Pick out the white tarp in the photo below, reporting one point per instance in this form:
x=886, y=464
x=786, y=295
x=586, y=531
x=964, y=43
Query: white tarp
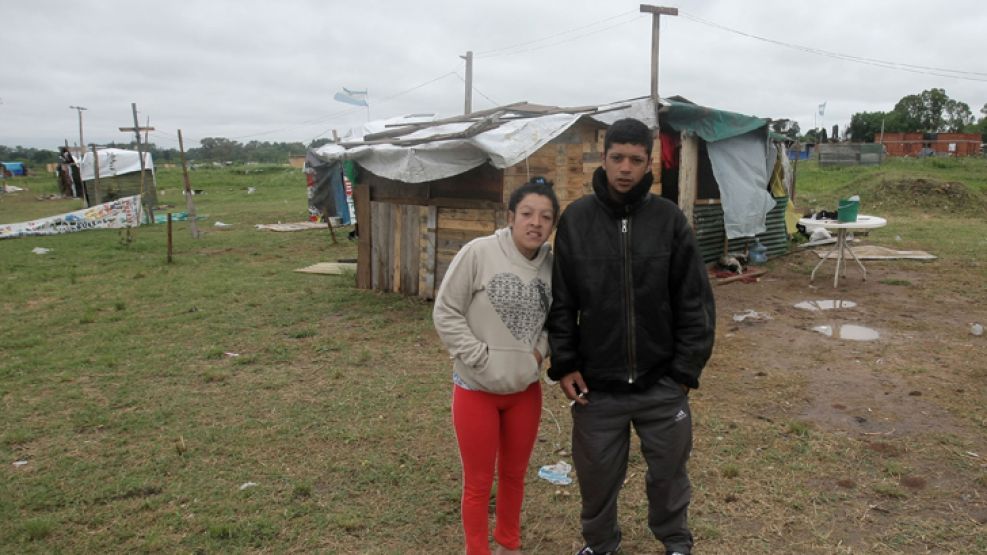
x=120, y=213
x=114, y=161
x=739, y=165
x=504, y=146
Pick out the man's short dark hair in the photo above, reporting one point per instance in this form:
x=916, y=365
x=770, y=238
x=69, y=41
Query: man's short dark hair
x=628, y=131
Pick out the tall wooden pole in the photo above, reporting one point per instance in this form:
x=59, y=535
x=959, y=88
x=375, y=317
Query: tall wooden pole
x=95, y=176
x=656, y=13
x=469, y=82
x=189, y=204
x=82, y=143
x=140, y=156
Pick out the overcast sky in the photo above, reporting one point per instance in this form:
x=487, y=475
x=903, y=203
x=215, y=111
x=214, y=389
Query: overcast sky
x=267, y=71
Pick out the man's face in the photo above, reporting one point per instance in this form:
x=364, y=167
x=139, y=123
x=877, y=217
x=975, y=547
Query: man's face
x=625, y=165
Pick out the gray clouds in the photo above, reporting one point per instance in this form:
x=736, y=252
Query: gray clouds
x=267, y=71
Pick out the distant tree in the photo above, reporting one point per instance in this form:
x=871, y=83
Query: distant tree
x=316, y=143
x=836, y=132
x=932, y=111
x=980, y=126
x=865, y=126
x=31, y=156
x=219, y=149
x=786, y=127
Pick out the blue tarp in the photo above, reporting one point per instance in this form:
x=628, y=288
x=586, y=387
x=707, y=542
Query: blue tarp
x=15, y=168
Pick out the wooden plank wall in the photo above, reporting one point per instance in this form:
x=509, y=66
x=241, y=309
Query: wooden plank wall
x=456, y=227
x=415, y=230
x=568, y=161
x=427, y=285
x=396, y=248
x=361, y=198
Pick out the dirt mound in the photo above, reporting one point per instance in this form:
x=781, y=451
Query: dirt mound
x=951, y=197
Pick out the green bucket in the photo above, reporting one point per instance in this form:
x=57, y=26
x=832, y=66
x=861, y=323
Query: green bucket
x=847, y=210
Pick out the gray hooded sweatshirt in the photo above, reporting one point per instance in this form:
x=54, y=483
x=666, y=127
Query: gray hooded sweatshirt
x=490, y=313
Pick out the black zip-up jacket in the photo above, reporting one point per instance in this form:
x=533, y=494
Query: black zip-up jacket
x=631, y=301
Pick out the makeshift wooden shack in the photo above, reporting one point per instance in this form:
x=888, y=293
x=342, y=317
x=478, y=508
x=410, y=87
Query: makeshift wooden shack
x=730, y=175
x=116, y=173
x=425, y=190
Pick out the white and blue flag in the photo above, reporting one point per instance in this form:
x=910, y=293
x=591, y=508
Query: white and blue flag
x=356, y=98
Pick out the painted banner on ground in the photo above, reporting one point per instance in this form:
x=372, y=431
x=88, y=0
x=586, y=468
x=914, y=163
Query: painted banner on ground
x=120, y=213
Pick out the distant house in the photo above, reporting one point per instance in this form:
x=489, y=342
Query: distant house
x=929, y=144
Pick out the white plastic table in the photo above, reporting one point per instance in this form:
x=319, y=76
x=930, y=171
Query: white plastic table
x=841, y=228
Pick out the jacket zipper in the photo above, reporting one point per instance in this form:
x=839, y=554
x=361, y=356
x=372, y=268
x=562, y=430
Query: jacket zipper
x=629, y=300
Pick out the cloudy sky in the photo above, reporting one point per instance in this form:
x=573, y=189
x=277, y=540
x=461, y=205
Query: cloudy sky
x=267, y=71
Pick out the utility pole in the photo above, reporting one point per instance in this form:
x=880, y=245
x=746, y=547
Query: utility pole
x=656, y=13
x=82, y=143
x=140, y=156
x=469, y=82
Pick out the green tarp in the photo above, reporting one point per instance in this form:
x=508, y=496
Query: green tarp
x=709, y=124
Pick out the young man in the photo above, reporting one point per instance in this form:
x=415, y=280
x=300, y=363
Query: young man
x=631, y=328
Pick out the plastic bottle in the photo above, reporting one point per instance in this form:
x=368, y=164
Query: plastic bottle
x=758, y=252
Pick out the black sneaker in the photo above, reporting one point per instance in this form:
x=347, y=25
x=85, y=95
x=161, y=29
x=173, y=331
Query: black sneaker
x=587, y=550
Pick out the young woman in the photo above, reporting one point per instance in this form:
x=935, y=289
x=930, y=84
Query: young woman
x=490, y=313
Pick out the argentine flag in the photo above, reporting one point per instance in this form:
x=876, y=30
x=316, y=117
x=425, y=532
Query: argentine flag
x=356, y=98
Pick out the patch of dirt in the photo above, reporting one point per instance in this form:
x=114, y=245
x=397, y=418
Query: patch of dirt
x=896, y=385
x=911, y=401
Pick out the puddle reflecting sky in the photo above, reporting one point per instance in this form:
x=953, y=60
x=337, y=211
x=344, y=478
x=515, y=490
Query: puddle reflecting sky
x=849, y=331
x=828, y=304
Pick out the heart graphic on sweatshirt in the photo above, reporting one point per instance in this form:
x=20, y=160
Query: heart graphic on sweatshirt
x=521, y=306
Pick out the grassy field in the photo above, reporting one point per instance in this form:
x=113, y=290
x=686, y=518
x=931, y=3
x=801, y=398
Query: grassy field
x=225, y=403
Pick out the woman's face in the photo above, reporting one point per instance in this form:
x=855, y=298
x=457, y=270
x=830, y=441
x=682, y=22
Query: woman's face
x=531, y=223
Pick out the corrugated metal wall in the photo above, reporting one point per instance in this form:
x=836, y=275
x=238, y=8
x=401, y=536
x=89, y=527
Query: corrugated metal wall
x=708, y=222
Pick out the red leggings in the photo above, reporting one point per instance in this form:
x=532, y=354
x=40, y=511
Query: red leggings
x=494, y=428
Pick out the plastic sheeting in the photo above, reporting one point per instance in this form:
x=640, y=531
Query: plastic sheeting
x=737, y=150
x=740, y=167
x=709, y=124
x=114, y=161
x=504, y=146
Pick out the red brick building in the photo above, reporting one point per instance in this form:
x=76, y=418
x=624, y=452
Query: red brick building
x=942, y=144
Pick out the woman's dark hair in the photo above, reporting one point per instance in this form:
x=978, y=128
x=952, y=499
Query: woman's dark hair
x=628, y=131
x=536, y=186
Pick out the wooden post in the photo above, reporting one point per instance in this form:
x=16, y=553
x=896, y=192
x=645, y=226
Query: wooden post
x=189, y=203
x=140, y=156
x=795, y=167
x=469, y=82
x=325, y=214
x=656, y=13
x=169, y=238
x=361, y=196
x=688, y=174
x=95, y=176
x=426, y=282
x=82, y=143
